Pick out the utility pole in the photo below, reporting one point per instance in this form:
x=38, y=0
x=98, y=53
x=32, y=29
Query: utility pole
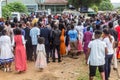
x=6, y=2
x=1, y=8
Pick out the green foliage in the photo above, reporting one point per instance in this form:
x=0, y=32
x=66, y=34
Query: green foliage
x=86, y=76
x=5, y=12
x=17, y=7
x=95, y=8
x=78, y=3
x=13, y=7
x=97, y=75
x=105, y=5
x=75, y=3
x=107, y=0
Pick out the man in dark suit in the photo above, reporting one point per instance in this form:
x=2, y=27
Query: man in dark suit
x=45, y=32
x=28, y=42
x=56, y=42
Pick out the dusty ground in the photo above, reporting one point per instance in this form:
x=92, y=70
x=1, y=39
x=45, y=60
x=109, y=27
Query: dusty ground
x=68, y=69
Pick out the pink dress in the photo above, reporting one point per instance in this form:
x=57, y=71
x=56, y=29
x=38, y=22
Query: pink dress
x=20, y=53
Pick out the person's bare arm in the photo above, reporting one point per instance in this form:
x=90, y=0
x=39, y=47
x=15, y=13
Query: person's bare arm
x=106, y=50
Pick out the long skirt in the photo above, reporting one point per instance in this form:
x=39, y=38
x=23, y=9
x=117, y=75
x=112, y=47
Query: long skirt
x=41, y=60
x=115, y=60
x=80, y=48
x=118, y=51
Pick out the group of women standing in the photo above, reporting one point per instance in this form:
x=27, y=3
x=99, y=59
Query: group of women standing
x=8, y=47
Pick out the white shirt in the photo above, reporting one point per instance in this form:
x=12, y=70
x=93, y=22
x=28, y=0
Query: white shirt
x=97, y=53
x=109, y=45
x=79, y=28
x=41, y=47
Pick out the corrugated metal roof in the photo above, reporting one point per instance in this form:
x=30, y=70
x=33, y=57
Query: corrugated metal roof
x=55, y=2
x=31, y=2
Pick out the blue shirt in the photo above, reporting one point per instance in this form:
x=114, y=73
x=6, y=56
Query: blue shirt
x=85, y=29
x=23, y=32
x=73, y=35
x=34, y=32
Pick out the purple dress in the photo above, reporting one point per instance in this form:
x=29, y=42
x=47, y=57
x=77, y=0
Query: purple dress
x=87, y=38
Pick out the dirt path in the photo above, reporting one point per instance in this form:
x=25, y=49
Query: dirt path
x=68, y=69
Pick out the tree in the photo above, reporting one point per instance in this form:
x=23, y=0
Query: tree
x=5, y=12
x=13, y=7
x=16, y=7
x=105, y=5
x=79, y=3
x=107, y=0
x=95, y=8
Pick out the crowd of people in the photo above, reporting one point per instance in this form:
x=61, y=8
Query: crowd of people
x=39, y=37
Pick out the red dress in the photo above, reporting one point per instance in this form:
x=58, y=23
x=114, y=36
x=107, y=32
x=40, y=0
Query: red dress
x=20, y=54
x=118, y=48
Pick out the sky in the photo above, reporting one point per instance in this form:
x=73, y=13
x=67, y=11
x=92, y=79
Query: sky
x=115, y=1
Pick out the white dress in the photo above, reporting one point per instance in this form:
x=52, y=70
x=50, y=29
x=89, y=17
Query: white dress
x=41, y=56
x=6, y=54
x=80, y=28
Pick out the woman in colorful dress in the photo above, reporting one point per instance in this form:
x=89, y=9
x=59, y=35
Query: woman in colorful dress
x=118, y=47
x=87, y=38
x=6, y=56
x=62, y=43
x=20, y=52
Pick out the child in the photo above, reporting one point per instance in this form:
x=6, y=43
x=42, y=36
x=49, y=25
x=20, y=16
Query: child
x=41, y=54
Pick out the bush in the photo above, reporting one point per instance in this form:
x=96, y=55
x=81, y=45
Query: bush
x=95, y=8
x=5, y=12
x=13, y=7
x=17, y=7
x=105, y=5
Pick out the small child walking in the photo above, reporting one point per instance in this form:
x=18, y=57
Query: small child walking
x=41, y=62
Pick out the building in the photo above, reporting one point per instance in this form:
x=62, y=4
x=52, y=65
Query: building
x=55, y=6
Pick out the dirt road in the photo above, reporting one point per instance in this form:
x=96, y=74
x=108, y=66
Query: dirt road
x=68, y=69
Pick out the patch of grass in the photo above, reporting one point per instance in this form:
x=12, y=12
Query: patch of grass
x=83, y=78
x=97, y=77
x=86, y=77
